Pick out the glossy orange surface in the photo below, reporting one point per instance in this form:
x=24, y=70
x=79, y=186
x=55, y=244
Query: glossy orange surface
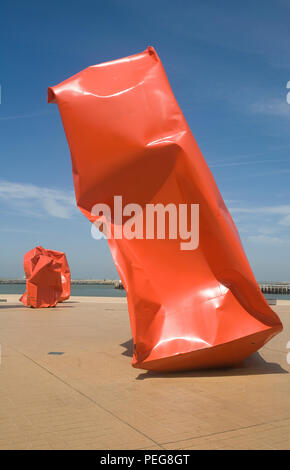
x=47, y=278
x=127, y=136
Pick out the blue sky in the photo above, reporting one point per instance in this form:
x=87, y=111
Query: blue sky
x=228, y=64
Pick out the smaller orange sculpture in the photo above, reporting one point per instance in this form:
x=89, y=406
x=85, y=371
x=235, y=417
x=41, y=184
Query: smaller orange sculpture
x=47, y=278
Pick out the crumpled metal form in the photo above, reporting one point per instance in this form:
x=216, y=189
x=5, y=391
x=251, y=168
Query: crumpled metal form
x=127, y=136
x=47, y=278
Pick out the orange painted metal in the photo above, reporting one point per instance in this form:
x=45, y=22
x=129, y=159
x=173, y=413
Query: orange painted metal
x=127, y=135
x=47, y=278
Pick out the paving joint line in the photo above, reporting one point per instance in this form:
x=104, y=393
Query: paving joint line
x=224, y=432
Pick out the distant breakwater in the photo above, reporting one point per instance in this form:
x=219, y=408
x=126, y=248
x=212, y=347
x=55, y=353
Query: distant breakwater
x=100, y=282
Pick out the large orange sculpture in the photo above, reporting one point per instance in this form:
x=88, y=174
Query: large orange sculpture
x=47, y=278
x=190, y=308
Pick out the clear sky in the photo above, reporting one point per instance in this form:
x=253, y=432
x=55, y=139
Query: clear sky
x=228, y=64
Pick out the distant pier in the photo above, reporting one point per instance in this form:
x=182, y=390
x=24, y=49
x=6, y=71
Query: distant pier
x=275, y=288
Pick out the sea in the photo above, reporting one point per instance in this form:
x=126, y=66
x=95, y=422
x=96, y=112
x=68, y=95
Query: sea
x=96, y=290
x=85, y=290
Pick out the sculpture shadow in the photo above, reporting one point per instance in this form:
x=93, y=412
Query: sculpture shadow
x=3, y=306
x=63, y=305
x=129, y=348
x=253, y=365
x=58, y=306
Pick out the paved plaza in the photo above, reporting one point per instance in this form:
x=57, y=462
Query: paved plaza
x=66, y=382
